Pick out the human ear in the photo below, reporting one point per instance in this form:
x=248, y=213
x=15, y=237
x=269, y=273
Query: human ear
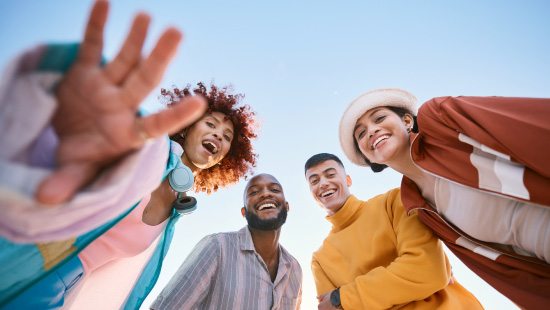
x=183, y=133
x=287, y=206
x=243, y=211
x=408, y=120
x=349, y=180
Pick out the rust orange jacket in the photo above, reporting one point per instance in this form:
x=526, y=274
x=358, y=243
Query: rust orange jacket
x=499, y=145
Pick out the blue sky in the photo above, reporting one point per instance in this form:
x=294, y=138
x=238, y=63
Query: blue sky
x=300, y=63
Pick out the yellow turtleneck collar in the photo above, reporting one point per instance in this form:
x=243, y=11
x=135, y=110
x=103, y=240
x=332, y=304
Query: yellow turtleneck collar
x=346, y=215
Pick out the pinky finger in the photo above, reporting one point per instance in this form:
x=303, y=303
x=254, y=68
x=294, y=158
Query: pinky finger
x=61, y=186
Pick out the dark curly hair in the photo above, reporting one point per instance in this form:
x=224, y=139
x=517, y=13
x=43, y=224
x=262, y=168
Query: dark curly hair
x=241, y=158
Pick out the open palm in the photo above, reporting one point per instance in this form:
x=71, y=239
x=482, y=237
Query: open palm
x=97, y=121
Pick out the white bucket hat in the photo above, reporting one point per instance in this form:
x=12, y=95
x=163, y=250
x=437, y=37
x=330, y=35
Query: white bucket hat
x=383, y=97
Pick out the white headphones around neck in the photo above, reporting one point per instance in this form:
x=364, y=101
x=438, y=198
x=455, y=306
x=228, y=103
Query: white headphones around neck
x=181, y=180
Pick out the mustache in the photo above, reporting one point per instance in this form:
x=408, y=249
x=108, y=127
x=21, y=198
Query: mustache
x=254, y=221
x=258, y=204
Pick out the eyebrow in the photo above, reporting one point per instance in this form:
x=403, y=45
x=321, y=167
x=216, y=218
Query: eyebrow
x=357, y=125
x=270, y=184
x=324, y=171
x=218, y=121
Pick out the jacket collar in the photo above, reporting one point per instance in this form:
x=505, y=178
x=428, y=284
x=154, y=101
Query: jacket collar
x=346, y=215
x=410, y=195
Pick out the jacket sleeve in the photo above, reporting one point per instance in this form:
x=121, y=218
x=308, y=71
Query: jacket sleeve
x=419, y=270
x=322, y=282
x=517, y=127
x=189, y=287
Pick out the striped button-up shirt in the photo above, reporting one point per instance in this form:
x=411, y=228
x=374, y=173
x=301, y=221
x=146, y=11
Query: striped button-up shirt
x=224, y=271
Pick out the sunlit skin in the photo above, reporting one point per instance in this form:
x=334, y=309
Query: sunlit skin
x=329, y=185
x=382, y=137
x=264, y=191
x=206, y=144
x=261, y=191
x=207, y=141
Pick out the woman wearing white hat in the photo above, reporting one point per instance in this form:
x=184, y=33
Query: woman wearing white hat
x=477, y=171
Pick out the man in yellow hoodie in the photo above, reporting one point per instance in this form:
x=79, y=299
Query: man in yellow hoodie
x=376, y=256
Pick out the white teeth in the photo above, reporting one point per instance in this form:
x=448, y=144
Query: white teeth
x=267, y=206
x=380, y=139
x=214, y=147
x=329, y=192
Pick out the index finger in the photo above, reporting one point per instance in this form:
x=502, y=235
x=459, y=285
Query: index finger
x=92, y=44
x=150, y=71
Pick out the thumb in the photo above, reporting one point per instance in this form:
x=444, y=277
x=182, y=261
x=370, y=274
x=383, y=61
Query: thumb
x=179, y=116
x=61, y=185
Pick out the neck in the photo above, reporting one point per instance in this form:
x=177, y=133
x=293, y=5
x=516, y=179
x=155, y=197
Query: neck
x=266, y=243
x=331, y=213
x=405, y=165
x=196, y=170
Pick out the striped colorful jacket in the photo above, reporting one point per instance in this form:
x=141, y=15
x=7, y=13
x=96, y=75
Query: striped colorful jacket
x=499, y=145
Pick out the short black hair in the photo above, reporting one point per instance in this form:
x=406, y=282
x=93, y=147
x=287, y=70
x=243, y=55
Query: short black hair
x=321, y=158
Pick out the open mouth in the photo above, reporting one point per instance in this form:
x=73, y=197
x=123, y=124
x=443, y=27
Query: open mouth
x=328, y=193
x=210, y=147
x=379, y=140
x=267, y=206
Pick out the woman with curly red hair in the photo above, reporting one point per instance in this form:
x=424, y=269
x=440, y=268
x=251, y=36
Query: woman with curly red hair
x=240, y=157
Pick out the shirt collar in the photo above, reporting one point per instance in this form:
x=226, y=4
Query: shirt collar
x=246, y=244
x=245, y=239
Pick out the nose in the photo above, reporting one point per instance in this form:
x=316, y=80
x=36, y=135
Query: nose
x=265, y=193
x=373, y=132
x=218, y=136
x=323, y=182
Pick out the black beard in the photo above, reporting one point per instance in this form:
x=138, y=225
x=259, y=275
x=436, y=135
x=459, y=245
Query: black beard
x=254, y=221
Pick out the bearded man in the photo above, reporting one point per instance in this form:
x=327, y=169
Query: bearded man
x=245, y=269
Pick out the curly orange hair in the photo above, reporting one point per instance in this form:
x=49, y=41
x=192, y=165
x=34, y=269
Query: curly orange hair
x=241, y=158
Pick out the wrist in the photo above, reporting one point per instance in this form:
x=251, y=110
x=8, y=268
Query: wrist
x=335, y=299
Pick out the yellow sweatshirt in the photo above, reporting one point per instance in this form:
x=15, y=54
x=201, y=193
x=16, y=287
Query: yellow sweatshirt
x=383, y=259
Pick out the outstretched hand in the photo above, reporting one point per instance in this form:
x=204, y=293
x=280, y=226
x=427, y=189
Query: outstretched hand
x=96, y=119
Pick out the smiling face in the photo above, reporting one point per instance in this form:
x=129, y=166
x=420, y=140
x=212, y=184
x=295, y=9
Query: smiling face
x=207, y=141
x=382, y=136
x=329, y=185
x=265, y=205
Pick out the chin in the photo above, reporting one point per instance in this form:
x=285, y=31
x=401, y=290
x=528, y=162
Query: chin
x=205, y=165
x=331, y=208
